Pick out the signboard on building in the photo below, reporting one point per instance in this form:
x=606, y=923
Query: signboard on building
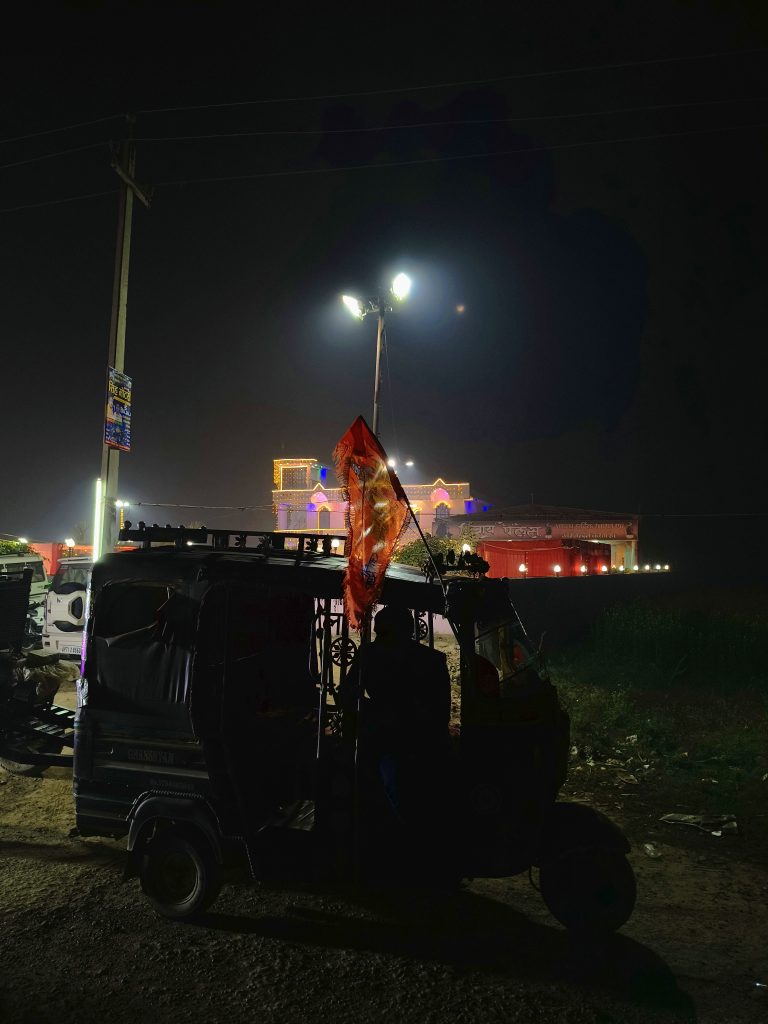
x=117, y=422
x=549, y=531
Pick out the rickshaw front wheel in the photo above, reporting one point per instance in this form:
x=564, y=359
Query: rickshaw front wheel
x=592, y=891
x=179, y=874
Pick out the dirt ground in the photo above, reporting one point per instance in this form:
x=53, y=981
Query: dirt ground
x=79, y=945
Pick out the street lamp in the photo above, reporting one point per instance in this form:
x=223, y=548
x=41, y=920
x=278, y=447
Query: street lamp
x=399, y=290
x=121, y=506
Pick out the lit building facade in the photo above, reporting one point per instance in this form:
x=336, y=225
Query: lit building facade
x=547, y=540
x=303, y=500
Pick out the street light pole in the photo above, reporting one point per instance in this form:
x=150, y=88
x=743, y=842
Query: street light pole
x=401, y=286
x=377, y=381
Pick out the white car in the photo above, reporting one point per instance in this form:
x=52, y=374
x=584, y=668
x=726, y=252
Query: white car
x=10, y=564
x=65, y=608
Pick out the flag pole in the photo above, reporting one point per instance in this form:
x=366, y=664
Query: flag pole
x=432, y=560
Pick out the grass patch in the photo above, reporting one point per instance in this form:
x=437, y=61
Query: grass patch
x=687, y=690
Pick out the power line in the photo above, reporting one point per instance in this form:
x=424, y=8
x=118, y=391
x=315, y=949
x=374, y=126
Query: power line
x=400, y=163
x=63, y=128
x=457, y=84
x=227, y=508
x=448, y=159
x=394, y=127
x=444, y=124
x=50, y=156
x=398, y=89
x=57, y=202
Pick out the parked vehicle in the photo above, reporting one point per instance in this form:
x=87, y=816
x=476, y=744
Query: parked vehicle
x=16, y=564
x=65, y=608
x=208, y=733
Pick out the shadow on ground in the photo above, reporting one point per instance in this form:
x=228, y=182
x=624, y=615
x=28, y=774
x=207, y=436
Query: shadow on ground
x=471, y=932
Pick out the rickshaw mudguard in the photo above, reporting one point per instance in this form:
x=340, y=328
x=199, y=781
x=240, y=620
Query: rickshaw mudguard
x=187, y=810
x=570, y=826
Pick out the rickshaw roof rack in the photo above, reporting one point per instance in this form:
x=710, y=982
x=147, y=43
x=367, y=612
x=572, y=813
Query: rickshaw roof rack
x=266, y=542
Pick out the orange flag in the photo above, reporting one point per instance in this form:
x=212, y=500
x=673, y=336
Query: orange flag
x=378, y=511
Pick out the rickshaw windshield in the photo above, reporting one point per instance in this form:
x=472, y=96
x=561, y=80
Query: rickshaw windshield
x=502, y=643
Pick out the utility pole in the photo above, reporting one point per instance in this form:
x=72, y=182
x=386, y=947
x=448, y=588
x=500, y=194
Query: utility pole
x=124, y=165
x=377, y=379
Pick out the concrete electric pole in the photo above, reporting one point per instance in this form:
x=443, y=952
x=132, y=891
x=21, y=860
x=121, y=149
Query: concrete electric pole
x=124, y=165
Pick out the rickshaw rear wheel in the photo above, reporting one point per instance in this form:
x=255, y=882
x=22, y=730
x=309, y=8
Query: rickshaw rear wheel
x=179, y=874
x=591, y=891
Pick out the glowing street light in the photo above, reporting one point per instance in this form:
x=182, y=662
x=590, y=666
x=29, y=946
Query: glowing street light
x=401, y=286
x=523, y=568
x=409, y=463
x=399, y=289
x=392, y=463
x=22, y=540
x=557, y=569
x=353, y=306
x=121, y=506
x=582, y=568
x=603, y=568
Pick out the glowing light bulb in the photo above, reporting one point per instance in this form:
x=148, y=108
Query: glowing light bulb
x=522, y=567
x=401, y=286
x=353, y=306
x=582, y=568
x=557, y=569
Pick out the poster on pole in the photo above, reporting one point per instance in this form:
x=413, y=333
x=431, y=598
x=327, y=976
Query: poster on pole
x=117, y=422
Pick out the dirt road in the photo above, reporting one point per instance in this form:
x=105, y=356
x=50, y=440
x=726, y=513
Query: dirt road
x=79, y=945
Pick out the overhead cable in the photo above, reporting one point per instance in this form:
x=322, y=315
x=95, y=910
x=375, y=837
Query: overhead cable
x=444, y=124
x=386, y=165
x=457, y=84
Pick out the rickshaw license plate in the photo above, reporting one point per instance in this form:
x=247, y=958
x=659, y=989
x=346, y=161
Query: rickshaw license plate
x=72, y=650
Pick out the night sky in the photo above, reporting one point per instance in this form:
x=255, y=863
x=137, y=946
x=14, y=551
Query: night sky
x=610, y=351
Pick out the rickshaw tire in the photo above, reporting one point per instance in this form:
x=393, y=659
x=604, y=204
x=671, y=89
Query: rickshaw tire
x=590, y=891
x=187, y=852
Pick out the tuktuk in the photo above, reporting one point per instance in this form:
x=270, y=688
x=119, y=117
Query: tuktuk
x=210, y=736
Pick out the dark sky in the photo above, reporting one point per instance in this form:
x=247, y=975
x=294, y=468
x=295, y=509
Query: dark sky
x=610, y=352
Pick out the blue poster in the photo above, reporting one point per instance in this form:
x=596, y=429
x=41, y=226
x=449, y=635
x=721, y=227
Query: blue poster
x=117, y=423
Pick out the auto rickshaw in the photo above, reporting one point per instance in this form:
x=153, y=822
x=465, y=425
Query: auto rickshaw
x=210, y=734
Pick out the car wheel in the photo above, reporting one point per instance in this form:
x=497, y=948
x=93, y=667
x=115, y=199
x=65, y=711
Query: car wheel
x=180, y=875
x=591, y=890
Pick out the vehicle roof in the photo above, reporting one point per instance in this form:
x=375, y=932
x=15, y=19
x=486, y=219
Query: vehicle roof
x=76, y=560
x=30, y=556
x=313, y=573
